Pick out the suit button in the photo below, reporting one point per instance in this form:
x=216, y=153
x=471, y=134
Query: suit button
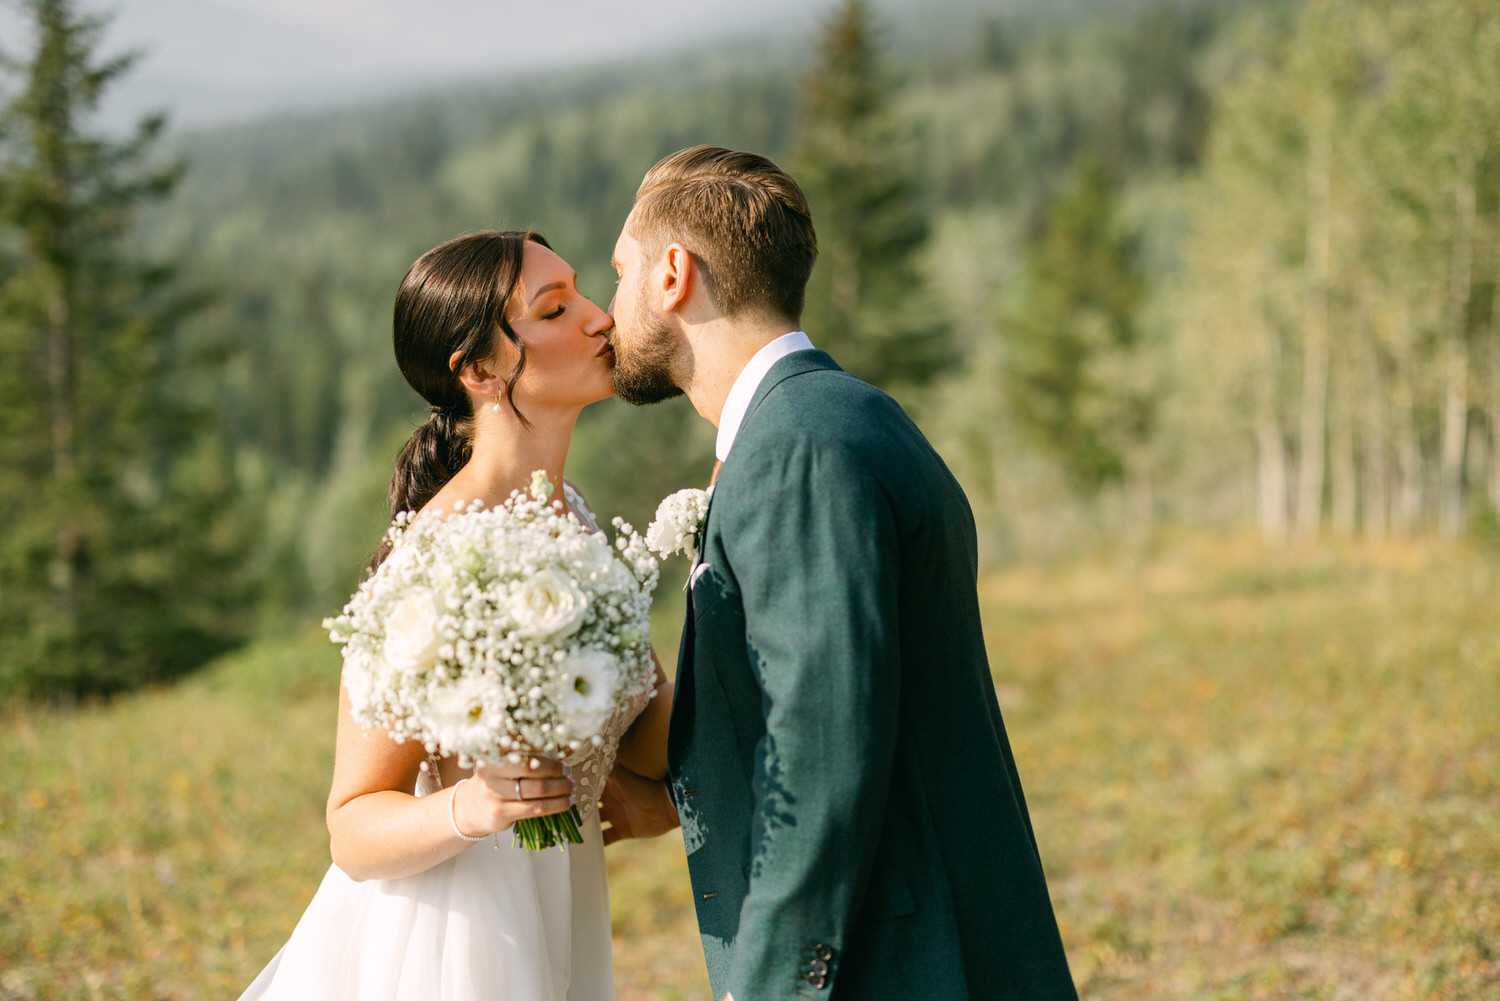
x=819, y=968
x=823, y=952
x=818, y=983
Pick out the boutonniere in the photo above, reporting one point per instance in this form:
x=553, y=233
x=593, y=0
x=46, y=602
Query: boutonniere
x=678, y=522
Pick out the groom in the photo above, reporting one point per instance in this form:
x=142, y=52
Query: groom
x=853, y=819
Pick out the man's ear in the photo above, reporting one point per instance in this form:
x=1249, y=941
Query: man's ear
x=679, y=277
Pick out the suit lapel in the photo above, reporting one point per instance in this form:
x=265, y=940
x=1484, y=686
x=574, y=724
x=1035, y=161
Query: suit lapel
x=680, y=720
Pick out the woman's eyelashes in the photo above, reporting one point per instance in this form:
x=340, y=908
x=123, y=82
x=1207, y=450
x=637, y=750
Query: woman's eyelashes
x=554, y=314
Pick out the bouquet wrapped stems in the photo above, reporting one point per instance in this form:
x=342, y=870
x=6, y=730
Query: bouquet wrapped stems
x=555, y=830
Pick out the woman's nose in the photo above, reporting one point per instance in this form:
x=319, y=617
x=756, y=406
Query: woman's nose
x=602, y=323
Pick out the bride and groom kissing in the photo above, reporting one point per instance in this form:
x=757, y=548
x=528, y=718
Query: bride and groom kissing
x=832, y=747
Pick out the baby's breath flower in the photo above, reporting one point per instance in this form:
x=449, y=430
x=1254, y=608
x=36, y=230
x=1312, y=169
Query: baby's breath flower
x=675, y=528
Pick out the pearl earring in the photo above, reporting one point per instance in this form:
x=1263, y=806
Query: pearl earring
x=496, y=407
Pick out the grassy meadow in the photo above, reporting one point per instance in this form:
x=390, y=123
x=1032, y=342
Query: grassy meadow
x=1253, y=775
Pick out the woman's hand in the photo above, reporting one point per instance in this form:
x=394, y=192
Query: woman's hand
x=379, y=830
x=502, y=793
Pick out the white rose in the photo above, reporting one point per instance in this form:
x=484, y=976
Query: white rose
x=588, y=680
x=548, y=605
x=661, y=534
x=411, y=631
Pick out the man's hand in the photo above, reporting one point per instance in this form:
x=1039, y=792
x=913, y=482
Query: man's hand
x=635, y=807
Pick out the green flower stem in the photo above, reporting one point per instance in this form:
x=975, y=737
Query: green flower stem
x=556, y=830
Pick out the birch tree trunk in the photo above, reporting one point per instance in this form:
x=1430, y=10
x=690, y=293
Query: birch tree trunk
x=1406, y=514
x=1493, y=346
x=1270, y=448
x=1314, y=418
x=1372, y=439
x=1494, y=477
x=1476, y=462
x=1342, y=467
x=1456, y=360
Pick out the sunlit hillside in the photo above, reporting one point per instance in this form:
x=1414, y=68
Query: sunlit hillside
x=1253, y=776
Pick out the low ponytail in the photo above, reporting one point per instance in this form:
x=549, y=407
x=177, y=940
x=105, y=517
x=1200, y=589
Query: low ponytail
x=452, y=301
x=433, y=453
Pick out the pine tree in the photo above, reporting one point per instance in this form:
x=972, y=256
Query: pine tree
x=103, y=562
x=1072, y=332
x=866, y=302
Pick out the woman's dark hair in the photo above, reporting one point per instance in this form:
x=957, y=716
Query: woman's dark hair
x=453, y=299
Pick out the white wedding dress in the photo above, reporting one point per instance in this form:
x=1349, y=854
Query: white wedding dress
x=494, y=923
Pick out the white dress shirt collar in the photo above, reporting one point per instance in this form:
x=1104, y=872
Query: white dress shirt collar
x=748, y=381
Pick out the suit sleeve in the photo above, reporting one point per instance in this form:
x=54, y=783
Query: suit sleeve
x=814, y=549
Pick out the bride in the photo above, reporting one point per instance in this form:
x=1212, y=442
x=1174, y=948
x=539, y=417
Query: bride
x=426, y=899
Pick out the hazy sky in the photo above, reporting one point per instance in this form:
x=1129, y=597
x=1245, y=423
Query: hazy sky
x=210, y=60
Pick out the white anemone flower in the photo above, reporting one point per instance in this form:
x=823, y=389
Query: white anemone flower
x=587, y=680
x=461, y=717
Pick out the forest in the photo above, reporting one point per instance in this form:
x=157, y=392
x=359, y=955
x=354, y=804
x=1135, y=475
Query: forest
x=1133, y=268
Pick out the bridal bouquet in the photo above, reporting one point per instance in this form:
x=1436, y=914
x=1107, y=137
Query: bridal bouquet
x=508, y=631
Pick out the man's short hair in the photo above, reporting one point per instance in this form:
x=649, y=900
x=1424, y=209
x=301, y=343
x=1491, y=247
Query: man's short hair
x=744, y=220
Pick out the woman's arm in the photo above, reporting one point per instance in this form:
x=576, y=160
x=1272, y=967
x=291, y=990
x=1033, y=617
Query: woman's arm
x=379, y=830
x=643, y=749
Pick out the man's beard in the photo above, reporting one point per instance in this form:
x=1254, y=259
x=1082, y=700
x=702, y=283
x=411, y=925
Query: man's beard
x=643, y=374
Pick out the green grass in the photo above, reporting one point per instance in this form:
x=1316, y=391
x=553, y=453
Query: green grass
x=1264, y=778
x=1253, y=775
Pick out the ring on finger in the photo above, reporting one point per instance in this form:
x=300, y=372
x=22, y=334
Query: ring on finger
x=518, y=790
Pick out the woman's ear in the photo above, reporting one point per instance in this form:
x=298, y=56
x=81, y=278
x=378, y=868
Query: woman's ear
x=479, y=378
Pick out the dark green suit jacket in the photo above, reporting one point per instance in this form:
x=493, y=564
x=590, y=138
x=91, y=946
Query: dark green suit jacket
x=854, y=823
